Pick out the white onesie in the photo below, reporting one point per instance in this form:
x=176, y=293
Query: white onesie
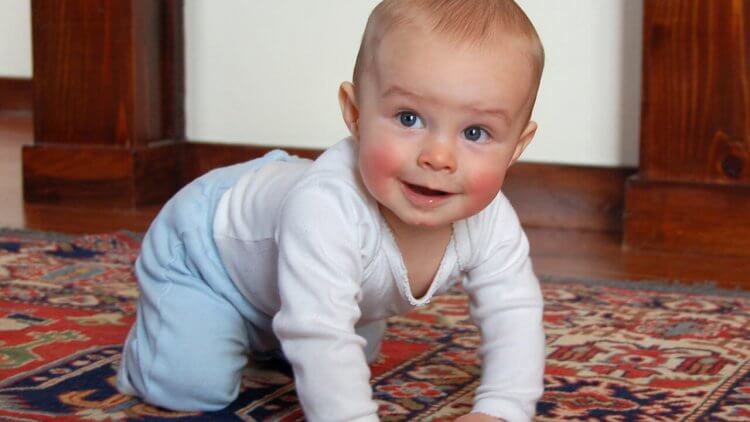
x=305, y=244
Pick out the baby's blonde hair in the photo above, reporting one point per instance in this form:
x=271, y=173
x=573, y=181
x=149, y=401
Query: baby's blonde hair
x=467, y=21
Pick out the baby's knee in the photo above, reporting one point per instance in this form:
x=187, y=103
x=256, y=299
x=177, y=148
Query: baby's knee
x=187, y=391
x=191, y=392
x=182, y=386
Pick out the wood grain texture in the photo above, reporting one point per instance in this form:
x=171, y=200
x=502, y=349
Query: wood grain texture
x=88, y=175
x=108, y=102
x=696, y=92
x=107, y=73
x=695, y=218
x=15, y=94
x=566, y=196
x=85, y=73
x=201, y=157
x=691, y=192
x=172, y=60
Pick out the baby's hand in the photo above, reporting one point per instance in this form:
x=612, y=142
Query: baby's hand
x=478, y=417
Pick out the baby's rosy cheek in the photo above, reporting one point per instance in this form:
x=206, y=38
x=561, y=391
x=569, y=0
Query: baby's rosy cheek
x=383, y=161
x=378, y=165
x=485, y=184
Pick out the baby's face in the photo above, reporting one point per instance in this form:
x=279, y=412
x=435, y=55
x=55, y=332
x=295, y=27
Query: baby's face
x=440, y=123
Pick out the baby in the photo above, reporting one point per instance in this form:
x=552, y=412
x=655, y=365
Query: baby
x=311, y=257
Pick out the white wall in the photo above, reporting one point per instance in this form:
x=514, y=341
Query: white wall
x=267, y=73
x=15, y=38
x=589, y=103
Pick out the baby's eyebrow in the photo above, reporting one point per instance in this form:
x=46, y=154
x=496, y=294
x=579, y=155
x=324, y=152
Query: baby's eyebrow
x=395, y=90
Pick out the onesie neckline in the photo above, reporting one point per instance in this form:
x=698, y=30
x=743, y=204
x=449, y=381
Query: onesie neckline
x=398, y=267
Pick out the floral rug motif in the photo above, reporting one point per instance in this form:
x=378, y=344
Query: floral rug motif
x=615, y=351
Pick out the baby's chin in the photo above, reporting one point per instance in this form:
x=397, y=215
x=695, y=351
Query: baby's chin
x=425, y=221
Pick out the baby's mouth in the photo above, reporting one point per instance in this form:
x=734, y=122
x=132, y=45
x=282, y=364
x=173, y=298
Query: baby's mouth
x=425, y=190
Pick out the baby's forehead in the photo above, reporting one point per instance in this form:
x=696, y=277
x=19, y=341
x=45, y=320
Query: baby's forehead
x=426, y=68
x=393, y=37
x=389, y=50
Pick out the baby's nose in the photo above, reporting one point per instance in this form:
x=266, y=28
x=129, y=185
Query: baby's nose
x=438, y=156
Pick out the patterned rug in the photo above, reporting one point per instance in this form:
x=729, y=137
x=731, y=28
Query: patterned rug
x=616, y=351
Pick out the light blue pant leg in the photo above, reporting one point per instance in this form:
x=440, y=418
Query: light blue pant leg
x=187, y=351
x=189, y=343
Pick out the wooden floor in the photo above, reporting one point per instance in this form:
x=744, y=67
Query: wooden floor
x=588, y=254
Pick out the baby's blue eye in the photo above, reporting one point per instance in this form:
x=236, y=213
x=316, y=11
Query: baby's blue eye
x=474, y=133
x=410, y=119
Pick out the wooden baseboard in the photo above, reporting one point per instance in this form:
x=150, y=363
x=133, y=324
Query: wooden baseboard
x=710, y=219
x=16, y=94
x=568, y=196
x=200, y=157
x=544, y=195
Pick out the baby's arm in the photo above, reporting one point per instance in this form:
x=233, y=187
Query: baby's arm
x=319, y=274
x=506, y=304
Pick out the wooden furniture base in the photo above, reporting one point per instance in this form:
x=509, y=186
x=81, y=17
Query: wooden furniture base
x=108, y=103
x=692, y=192
x=91, y=175
x=688, y=217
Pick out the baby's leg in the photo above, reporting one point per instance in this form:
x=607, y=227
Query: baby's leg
x=193, y=358
x=189, y=342
x=373, y=333
x=188, y=345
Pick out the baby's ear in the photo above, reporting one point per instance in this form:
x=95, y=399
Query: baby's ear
x=523, y=141
x=349, y=108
